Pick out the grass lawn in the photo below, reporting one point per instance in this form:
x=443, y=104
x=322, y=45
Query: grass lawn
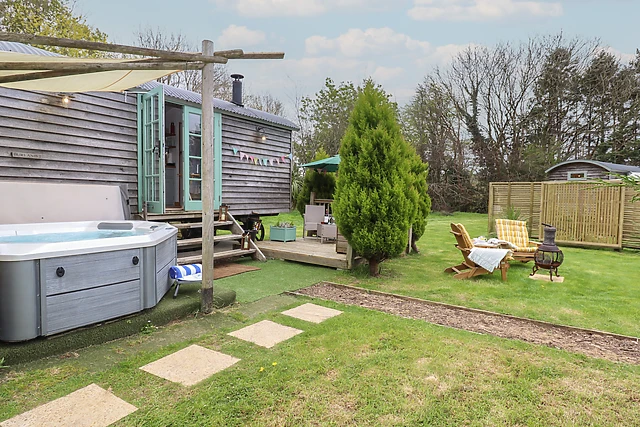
x=360, y=368
x=601, y=288
x=370, y=368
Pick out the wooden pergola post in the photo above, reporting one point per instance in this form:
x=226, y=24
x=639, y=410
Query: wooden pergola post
x=208, y=230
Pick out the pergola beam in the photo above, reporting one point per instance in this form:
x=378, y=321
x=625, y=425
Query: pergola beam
x=100, y=66
x=43, y=75
x=262, y=55
x=111, y=47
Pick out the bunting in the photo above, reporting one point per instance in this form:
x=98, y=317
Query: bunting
x=262, y=161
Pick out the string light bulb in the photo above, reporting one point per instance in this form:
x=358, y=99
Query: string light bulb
x=65, y=100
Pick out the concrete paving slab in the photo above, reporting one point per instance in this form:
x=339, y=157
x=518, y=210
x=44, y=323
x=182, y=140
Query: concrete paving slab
x=266, y=333
x=190, y=365
x=312, y=313
x=91, y=406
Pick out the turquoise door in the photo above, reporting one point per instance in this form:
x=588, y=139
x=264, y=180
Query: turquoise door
x=192, y=158
x=151, y=147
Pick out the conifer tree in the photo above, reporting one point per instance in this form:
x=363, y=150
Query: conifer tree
x=419, y=172
x=375, y=202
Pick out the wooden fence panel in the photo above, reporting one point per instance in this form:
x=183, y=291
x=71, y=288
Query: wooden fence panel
x=631, y=225
x=523, y=196
x=584, y=213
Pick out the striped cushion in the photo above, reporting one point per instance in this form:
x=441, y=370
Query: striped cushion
x=468, y=243
x=514, y=232
x=527, y=249
x=180, y=271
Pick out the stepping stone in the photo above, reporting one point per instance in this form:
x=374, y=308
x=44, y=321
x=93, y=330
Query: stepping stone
x=89, y=406
x=190, y=365
x=266, y=333
x=312, y=313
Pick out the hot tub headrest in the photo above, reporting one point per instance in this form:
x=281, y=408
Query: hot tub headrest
x=115, y=226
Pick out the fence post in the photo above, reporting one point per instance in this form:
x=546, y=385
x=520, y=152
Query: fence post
x=489, y=226
x=623, y=202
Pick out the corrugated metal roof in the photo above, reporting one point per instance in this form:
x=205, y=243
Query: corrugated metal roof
x=24, y=48
x=611, y=167
x=196, y=98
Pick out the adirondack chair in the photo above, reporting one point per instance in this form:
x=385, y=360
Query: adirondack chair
x=517, y=234
x=468, y=268
x=313, y=215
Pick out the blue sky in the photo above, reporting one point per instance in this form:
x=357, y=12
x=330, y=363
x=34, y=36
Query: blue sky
x=395, y=42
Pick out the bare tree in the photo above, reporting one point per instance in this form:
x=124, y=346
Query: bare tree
x=189, y=79
x=265, y=102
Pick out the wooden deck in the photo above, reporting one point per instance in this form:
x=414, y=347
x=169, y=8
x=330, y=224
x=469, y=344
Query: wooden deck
x=308, y=251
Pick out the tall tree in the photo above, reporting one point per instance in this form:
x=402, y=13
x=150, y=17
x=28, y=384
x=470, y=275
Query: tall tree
x=375, y=202
x=265, y=102
x=55, y=18
x=326, y=116
x=419, y=171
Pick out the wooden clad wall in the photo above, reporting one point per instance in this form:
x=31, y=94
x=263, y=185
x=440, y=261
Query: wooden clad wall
x=593, y=171
x=519, y=194
x=91, y=140
x=247, y=187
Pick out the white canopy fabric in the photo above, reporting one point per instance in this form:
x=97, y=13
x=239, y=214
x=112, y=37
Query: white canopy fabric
x=104, y=81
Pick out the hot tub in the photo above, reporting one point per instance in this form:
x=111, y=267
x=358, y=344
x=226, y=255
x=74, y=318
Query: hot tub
x=59, y=276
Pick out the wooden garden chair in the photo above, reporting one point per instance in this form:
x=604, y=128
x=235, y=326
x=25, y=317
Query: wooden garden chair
x=516, y=233
x=468, y=268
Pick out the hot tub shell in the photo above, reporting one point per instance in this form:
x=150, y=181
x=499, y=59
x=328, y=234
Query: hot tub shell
x=48, y=288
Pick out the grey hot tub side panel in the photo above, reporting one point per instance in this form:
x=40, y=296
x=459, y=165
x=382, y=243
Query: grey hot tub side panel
x=90, y=290
x=19, y=300
x=76, y=309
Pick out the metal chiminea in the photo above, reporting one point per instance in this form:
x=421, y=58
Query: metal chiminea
x=548, y=255
x=236, y=96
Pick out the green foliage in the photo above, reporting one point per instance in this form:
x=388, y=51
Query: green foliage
x=54, y=18
x=419, y=172
x=374, y=200
x=323, y=184
x=285, y=224
x=324, y=119
x=630, y=182
x=513, y=213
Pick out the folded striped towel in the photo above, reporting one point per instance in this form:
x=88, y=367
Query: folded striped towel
x=181, y=271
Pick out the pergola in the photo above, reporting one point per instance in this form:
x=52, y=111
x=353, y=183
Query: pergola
x=63, y=74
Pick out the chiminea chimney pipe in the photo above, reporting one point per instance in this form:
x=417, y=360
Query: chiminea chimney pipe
x=236, y=97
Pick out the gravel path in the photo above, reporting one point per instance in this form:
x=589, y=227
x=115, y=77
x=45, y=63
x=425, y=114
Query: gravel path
x=591, y=343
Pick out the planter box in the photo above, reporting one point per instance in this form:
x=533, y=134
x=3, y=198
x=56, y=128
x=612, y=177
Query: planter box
x=281, y=234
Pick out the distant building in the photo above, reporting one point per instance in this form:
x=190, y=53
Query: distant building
x=581, y=170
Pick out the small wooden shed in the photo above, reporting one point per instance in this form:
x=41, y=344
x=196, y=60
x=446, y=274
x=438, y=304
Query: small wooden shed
x=583, y=170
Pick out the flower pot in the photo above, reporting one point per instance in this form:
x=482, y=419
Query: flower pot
x=282, y=234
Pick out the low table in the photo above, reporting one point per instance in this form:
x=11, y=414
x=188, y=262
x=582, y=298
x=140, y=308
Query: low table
x=327, y=232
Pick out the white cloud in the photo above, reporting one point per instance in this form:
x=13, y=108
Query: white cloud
x=384, y=74
x=234, y=36
x=372, y=41
x=481, y=10
x=271, y=8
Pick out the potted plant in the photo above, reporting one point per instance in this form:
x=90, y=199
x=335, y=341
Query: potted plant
x=283, y=232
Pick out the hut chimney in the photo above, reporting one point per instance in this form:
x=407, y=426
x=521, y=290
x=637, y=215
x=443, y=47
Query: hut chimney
x=237, y=89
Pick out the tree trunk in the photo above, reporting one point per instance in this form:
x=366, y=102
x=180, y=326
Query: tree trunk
x=374, y=267
x=414, y=247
